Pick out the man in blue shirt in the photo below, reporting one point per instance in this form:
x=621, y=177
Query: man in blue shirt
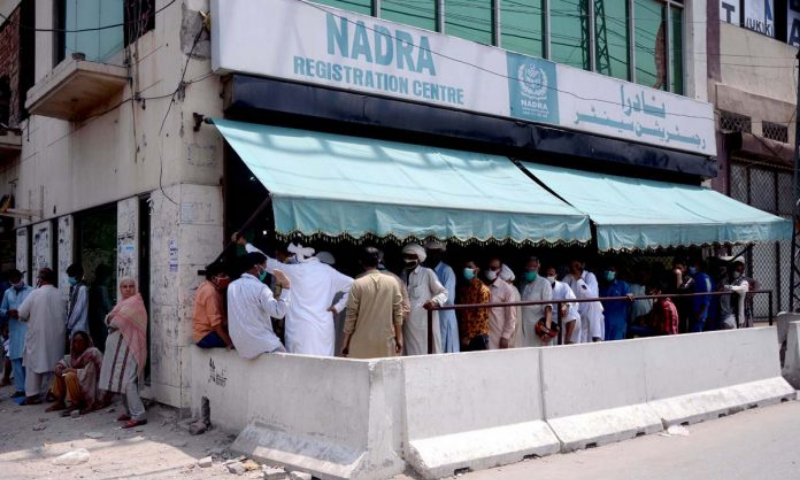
x=701, y=305
x=616, y=312
x=12, y=299
x=448, y=325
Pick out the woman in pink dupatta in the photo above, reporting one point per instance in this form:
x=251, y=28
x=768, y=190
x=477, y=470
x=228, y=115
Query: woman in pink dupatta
x=76, y=377
x=126, y=353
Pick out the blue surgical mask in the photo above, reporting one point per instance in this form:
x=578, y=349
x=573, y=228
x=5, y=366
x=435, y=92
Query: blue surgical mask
x=531, y=275
x=73, y=281
x=19, y=286
x=262, y=275
x=692, y=271
x=610, y=275
x=469, y=274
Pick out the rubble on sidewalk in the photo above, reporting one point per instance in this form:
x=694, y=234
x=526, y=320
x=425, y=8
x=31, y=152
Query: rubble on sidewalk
x=274, y=473
x=74, y=457
x=236, y=468
x=300, y=476
x=205, y=462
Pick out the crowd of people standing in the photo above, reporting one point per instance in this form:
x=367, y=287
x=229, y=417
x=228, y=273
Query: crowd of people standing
x=380, y=314
x=53, y=357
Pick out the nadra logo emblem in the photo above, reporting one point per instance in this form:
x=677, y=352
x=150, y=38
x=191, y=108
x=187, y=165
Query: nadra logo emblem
x=532, y=82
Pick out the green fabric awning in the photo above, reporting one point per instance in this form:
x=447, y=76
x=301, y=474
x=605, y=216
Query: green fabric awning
x=637, y=214
x=340, y=186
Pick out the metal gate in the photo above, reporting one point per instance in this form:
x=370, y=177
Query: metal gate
x=770, y=189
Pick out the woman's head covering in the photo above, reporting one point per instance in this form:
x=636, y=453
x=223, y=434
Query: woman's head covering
x=415, y=249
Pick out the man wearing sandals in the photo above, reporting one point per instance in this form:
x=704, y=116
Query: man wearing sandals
x=46, y=314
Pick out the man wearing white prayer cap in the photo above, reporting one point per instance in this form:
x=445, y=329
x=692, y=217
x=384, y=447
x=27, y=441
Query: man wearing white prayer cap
x=447, y=277
x=424, y=291
x=310, y=328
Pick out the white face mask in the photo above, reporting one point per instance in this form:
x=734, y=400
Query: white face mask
x=491, y=275
x=552, y=280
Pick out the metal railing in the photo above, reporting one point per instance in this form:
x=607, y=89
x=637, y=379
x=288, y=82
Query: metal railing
x=631, y=299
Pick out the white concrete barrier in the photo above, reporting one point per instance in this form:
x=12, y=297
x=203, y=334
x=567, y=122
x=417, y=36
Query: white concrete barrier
x=474, y=411
x=696, y=377
x=595, y=393
x=791, y=366
x=355, y=419
x=328, y=417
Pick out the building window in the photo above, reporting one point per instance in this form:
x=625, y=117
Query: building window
x=650, y=36
x=676, y=50
x=734, y=122
x=775, y=131
x=417, y=14
x=363, y=7
x=471, y=20
x=522, y=27
x=612, y=39
x=569, y=32
x=133, y=17
x=635, y=40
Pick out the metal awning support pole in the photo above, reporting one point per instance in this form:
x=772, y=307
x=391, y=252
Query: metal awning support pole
x=259, y=211
x=430, y=332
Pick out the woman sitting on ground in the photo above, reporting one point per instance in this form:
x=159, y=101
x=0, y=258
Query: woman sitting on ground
x=76, y=376
x=126, y=353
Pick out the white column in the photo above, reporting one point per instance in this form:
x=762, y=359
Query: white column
x=128, y=238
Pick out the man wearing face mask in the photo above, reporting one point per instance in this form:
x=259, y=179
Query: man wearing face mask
x=701, y=305
x=502, y=320
x=536, y=289
x=732, y=306
x=615, y=312
x=570, y=318
x=424, y=292
x=447, y=318
x=12, y=299
x=209, y=321
x=745, y=319
x=250, y=306
x=474, y=326
x=584, y=285
x=78, y=303
x=310, y=320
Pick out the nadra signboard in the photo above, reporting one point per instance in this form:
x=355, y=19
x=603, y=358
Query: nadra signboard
x=315, y=44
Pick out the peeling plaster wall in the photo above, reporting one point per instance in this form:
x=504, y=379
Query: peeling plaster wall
x=65, y=251
x=183, y=239
x=42, y=246
x=128, y=239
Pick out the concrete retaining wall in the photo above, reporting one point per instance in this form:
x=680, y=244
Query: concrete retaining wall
x=791, y=366
x=697, y=377
x=474, y=411
x=356, y=419
x=595, y=393
x=328, y=417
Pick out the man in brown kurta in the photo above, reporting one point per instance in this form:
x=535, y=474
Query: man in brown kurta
x=374, y=324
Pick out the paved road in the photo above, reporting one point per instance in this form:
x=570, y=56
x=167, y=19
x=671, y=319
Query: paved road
x=752, y=445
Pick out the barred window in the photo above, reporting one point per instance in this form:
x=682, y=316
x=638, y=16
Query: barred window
x=734, y=122
x=775, y=131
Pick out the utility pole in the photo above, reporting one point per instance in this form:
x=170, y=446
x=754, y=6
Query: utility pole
x=794, y=276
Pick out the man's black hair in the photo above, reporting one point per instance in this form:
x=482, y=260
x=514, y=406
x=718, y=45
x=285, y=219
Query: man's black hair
x=75, y=270
x=370, y=257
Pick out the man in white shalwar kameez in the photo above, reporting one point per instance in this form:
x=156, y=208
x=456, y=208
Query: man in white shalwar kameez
x=424, y=291
x=584, y=285
x=45, y=311
x=536, y=289
x=310, y=327
x=571, y=331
